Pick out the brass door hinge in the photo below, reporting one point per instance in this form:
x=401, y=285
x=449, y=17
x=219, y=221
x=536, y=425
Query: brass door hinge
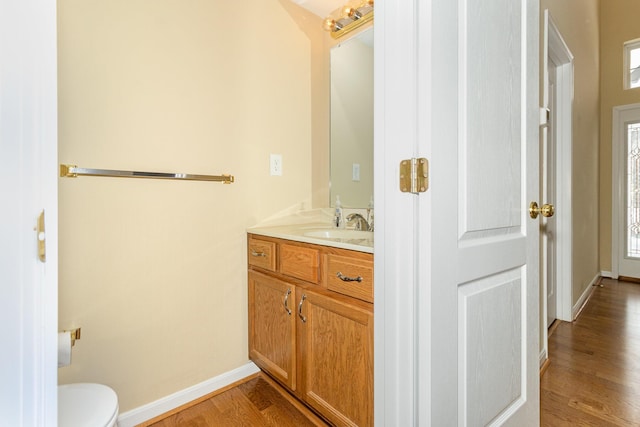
x=414, y=175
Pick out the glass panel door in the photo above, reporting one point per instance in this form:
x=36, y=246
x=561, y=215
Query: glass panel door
x=632, y=136
x=625, y=227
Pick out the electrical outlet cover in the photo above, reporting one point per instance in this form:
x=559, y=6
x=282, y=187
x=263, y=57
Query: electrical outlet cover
x=275, y=162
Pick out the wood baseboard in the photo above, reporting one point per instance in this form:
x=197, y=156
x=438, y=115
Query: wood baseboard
x=544, y=367
x=553, y=327
x=311, y=415
x=629, y=279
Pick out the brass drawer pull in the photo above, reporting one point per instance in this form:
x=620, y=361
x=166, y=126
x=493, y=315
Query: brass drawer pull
x=303, y=318
x=348, y=279
x=286, y=302
x=254, y=253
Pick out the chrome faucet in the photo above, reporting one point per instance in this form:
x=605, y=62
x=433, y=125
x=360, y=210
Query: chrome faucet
x=360, y=222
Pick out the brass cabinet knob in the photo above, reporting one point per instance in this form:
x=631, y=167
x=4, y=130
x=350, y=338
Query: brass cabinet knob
x=547, y=210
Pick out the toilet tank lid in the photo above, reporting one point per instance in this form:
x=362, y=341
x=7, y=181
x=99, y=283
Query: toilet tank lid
x=84, y=404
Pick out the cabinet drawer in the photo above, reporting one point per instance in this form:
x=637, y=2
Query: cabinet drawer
x=300, y=262
x=262, y=254
x=350, y=276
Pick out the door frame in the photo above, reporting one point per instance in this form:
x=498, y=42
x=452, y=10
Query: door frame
x=28, y=131
x=617, y=183
x=397, y=380
x=556, y=50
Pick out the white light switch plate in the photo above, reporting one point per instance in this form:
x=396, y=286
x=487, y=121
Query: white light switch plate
x=355, y=172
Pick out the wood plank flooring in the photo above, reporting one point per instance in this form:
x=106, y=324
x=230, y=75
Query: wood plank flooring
x=258, y=402
x=594, y=375
x=593, y=378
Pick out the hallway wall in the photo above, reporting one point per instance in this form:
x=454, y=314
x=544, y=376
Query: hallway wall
x=577, y=21
x=619, y=23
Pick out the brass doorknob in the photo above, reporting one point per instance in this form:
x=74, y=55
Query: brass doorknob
x=546, y=210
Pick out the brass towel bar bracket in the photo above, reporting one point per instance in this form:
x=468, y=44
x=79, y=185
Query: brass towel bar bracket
x=72, y=171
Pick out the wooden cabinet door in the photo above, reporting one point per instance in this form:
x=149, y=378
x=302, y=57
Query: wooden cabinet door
x=272, y=338
x=336, y=358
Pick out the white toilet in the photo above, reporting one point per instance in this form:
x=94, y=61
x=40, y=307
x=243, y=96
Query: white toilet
x=87, y=405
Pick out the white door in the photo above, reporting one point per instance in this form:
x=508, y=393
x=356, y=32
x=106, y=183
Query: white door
x=549, y=196
x=626, y=190
x=28, y=185
x=457, y=267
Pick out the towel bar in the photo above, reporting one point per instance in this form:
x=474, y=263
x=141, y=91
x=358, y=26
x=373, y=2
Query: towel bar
x=72, y=171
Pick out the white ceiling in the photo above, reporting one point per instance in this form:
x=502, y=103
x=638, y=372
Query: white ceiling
x=322, y=8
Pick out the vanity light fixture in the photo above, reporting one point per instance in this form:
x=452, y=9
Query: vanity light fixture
x=351, y=17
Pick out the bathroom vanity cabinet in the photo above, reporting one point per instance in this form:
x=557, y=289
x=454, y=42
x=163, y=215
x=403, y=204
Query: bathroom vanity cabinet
x=311, y=330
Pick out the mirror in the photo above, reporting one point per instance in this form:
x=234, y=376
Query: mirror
x=352, y=121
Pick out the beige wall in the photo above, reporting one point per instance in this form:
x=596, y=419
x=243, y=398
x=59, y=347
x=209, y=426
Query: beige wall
x=619, y=23
x=577, y=21
x=155, y=271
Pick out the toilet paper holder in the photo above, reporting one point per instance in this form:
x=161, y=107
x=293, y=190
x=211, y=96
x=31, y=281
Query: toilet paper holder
x=75, y=335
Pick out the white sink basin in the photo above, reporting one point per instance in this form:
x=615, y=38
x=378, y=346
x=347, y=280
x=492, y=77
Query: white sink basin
x=338, y=234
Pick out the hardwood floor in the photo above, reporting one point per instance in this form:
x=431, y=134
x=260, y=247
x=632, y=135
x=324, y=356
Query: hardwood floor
x=594, y=375
x=593, y=378
x=257, y=402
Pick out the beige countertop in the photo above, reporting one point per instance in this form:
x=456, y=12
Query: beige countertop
x=315, y=227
